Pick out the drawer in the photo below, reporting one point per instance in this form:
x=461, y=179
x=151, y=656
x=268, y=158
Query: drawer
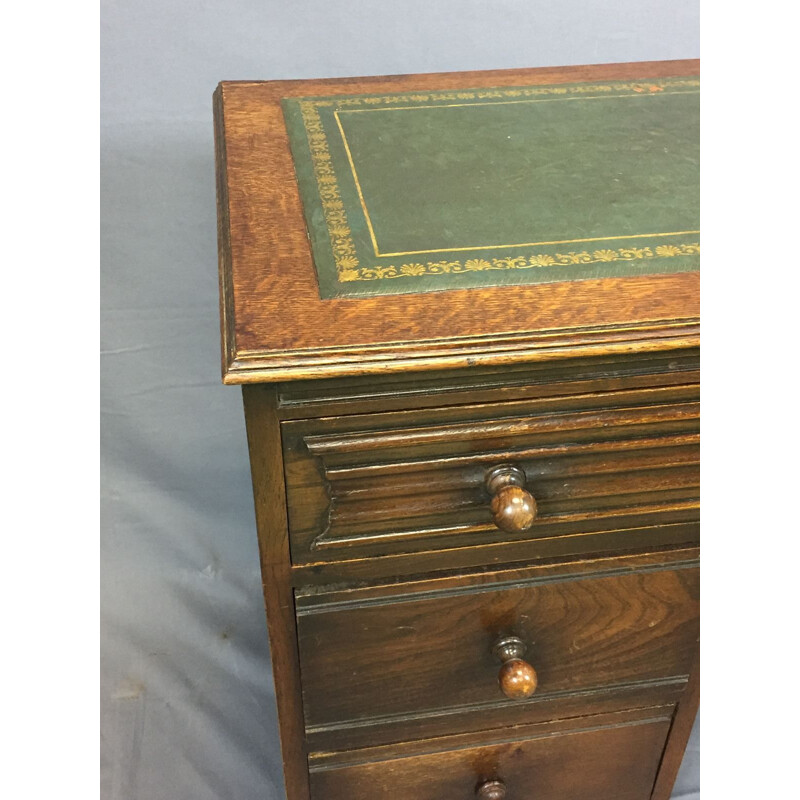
x=413, y=482
x=409, y=657
x=616, y=762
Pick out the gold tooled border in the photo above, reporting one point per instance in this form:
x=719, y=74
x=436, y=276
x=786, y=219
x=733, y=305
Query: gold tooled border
x=604, y=256
x=348, y=267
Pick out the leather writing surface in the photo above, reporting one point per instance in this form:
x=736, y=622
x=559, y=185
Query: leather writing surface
x=429, y=191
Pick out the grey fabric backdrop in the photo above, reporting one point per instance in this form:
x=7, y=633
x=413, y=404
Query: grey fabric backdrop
x=187, y=701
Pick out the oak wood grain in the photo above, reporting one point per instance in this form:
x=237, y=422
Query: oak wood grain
x=657, y=527
x=392, y=732
x=392, y=655
x=618, y=761
x=275, y=327
x=409, y=481
x=397, y=392
x=646, y=712
x=497, y=714
x=386, y=582
x=266, y=465
x=679, y=734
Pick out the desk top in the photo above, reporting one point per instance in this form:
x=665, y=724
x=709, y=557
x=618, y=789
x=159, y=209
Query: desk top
x=433, y=221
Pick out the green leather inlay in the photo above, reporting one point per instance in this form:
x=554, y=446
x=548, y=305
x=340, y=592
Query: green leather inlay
x=443, y=190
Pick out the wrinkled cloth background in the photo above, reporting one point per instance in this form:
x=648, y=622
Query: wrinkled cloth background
x=188, y=708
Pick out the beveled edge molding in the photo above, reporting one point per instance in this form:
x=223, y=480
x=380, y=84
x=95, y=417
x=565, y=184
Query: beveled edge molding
x=324, y=541
x=301, y=399
x=311, y=604
x=544, y=451
x=224, y=265
x=327, y=759
x=632, y=410
x=676, y=681
x=267, y=366
x=375, y=440
x=355, y=568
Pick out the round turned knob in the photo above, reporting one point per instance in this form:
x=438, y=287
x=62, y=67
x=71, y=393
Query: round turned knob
x=491, y=790
x=517, y=678
x=513, y=507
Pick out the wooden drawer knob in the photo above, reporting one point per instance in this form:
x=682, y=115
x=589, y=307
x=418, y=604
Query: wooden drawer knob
x=491, y=790
x=513, y=507
x=518, y=678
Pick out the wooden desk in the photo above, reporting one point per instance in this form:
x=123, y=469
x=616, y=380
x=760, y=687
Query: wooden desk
x=464, y=308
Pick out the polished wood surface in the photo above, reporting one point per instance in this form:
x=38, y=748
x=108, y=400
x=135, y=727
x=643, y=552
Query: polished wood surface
x=425, y=653
x=582, y=759
x=266, y=466
x=513, y=507
x=303, y=399
x=517, y=679
x=275, y=326
x=659, y=678
x=682, y=722
x=414, y=481
x=395, y=556
x=389, y=732
x=499, y=713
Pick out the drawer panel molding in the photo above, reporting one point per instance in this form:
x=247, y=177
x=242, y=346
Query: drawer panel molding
x=399, y=487
x=580, y=762
x=430, y=654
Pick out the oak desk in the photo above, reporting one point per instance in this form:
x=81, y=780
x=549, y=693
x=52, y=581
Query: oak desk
x=464, y=309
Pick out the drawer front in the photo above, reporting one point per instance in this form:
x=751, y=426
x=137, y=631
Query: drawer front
x=407, y=482
x=388, y=659
x=617, y=762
